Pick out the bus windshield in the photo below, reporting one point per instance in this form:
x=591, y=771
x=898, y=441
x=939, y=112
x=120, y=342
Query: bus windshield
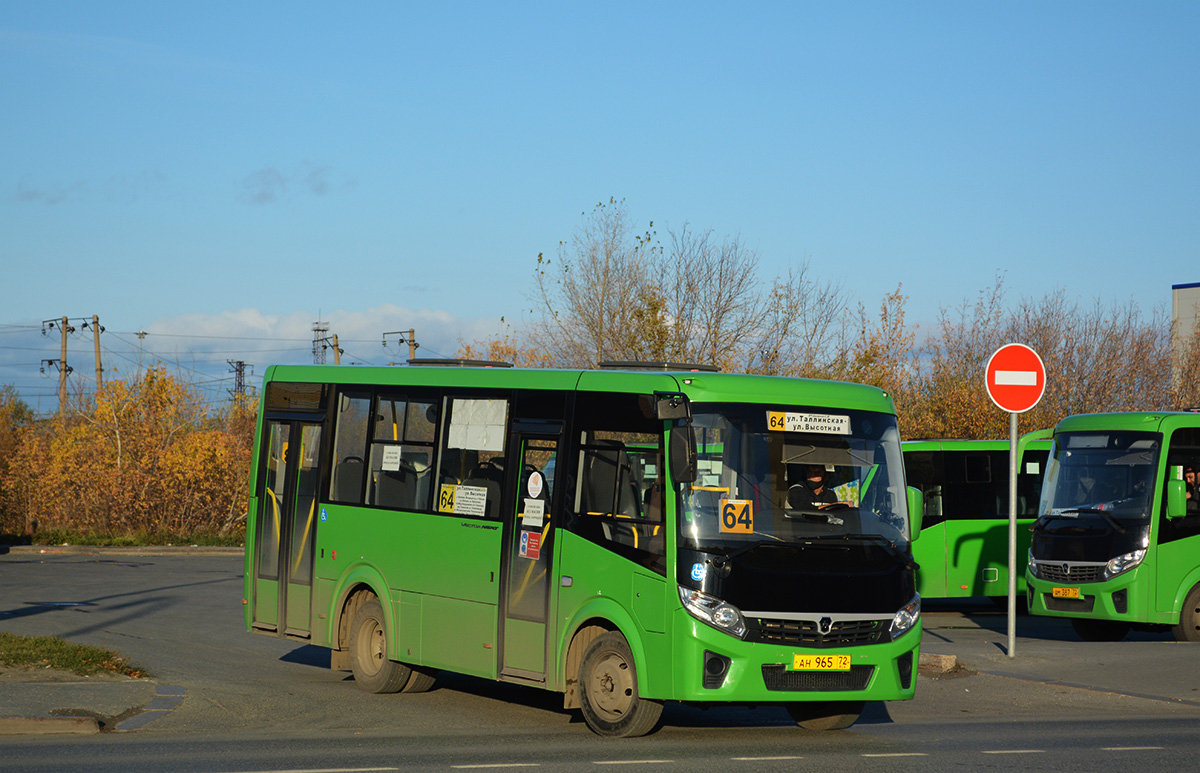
x=1101, y=475
x=793, y=475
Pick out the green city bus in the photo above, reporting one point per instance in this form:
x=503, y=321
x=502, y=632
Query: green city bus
x=622, y=535
x=1116, y=544
x=963, y=550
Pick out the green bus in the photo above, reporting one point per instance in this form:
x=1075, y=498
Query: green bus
x=963, y=550
x=1116, y=544
x=622, y=535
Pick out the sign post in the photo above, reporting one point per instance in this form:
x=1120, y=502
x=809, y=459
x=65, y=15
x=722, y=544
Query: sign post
x=1016, y=380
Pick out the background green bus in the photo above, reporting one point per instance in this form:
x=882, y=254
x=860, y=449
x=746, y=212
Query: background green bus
x=620, y=536
x=1117, y=540
x=963, y=550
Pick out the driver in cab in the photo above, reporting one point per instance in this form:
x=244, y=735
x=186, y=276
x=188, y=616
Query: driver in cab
x=813, y=493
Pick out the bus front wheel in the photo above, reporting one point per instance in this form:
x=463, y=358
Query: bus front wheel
x=825, y=715
x=1188, y=627
x=369, y=662
x=608, y=690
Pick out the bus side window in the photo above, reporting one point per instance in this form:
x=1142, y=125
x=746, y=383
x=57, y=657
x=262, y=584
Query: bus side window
x=401, y=450
x=471, y=470
x=349, y=448
x=615, y=503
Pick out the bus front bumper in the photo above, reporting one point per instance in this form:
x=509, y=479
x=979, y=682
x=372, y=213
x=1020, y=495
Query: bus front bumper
x=715, y=667
x=1113, y=599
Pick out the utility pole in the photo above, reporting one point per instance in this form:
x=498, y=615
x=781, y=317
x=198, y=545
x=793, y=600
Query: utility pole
x=63, y=369
x=410, y=336
x=96, y=331
x=239, y=379
x=319, y=330
x=323, y=344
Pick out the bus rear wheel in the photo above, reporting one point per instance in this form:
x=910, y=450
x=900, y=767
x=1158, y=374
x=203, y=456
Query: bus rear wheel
x=1188, y=627
x=1099, y=630
x=825, y=715
x=369, y=662
x=608, y=690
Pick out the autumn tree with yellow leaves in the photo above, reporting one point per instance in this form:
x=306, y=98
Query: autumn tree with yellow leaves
x=141, y=457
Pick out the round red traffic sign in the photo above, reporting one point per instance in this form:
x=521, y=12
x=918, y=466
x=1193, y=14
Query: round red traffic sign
x=1015, y=378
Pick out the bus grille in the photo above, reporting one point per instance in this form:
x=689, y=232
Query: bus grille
x=780, y=679
x=807, y=633
x=1069, y=572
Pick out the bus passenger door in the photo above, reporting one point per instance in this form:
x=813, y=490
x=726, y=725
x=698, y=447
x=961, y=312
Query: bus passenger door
x=529, y=549
x=286, y=529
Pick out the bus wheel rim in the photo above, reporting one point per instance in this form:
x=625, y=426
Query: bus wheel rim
x=612, y=687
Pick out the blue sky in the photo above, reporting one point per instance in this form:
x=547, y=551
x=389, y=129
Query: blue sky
x=220, y=174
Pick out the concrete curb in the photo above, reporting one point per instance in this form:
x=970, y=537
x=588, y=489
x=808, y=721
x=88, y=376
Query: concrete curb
x=940, y=664
x=147, y=550
x=48, y=726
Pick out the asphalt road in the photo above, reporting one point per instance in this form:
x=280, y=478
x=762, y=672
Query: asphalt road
x=251, y=702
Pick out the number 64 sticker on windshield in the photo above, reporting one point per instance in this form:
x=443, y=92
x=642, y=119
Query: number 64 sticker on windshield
x=737, y=516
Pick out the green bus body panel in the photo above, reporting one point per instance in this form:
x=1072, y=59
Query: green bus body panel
x=524, y=645
x=266, y=602
x=454, y=591
x=1157, y=587
x=963, y=555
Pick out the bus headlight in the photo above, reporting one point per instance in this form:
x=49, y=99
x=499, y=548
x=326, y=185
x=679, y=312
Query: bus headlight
x=1124, y=563
x=1033, y=570
x=906, y=618
x=713, y=611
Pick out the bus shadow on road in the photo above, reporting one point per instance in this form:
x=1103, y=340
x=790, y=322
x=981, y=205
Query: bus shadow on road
x=308, y=655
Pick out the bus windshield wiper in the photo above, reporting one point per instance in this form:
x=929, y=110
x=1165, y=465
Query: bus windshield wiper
x=1113, y=522
x=880, y=540
x=721, y=559
x=822, y=515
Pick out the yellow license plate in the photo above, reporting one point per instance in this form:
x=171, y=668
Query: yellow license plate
x=820, y=662
x=1065, y=593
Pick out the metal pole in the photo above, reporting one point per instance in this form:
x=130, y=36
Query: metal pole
x=62, y=372
x=96, y=340
x=1012, y=534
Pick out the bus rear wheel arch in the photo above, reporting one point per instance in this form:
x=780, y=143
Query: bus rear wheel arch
x=369, y=663
x=1188, y=627
x=825, y=715
x=608, y=690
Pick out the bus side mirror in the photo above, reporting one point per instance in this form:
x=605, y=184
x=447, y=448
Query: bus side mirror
x=670, y=406
x=916, y=511
x=683, y=453
x=1176, y=499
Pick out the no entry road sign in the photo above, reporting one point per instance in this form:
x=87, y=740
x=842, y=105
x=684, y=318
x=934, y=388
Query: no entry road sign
x=1015, y=377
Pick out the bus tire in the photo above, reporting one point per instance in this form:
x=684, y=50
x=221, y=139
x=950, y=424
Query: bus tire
x=420, y=680
x=825, y=715
x=1099, y=630
x=1188, y=627
x=608, y=691
x=369, y=663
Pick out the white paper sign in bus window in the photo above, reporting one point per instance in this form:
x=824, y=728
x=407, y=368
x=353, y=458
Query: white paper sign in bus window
x=478, y=424
x=820, y=423
x=391, y=458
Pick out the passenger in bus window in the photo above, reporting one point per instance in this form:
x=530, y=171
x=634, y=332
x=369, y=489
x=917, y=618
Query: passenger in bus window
x=813, y=493
x=1189, y=478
